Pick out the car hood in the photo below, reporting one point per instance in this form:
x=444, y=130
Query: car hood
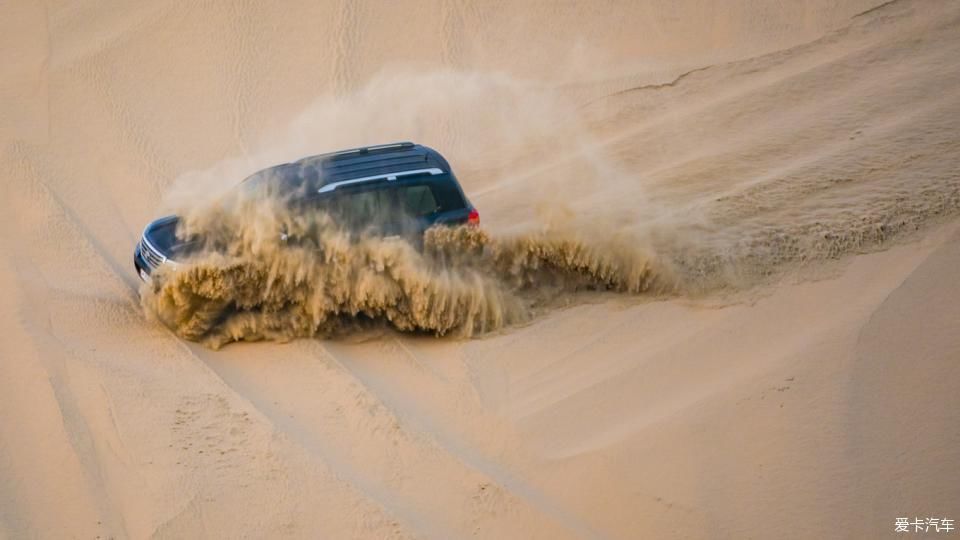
x=162, y=236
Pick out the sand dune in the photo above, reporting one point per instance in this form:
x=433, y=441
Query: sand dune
x=792, y=167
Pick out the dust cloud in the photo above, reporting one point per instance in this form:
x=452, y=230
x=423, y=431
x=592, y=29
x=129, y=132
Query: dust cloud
x=564, y=211
x=244, y=282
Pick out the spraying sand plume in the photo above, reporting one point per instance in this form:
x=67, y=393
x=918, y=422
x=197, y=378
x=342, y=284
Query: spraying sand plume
x=253, y=285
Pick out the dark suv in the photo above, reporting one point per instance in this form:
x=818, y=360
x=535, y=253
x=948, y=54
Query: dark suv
x=392, y=189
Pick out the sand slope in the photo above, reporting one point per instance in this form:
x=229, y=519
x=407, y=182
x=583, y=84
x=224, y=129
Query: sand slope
x=762, y=137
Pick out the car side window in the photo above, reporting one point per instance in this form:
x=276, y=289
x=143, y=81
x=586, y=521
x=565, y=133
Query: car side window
x=378, y=204
x=447, y=195
x=362, y=206
x=417, y=201
x=354, y=208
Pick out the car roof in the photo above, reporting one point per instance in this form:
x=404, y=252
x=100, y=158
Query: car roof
x=367, y=161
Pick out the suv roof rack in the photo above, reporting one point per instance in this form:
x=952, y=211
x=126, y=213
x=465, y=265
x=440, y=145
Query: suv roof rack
x=360, y=162
x=376, y=148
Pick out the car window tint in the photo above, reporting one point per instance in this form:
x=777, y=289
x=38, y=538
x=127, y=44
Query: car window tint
x=377, y=204
x=355, y=208
x=447, y=195
x=417, y=200
x=362, y=206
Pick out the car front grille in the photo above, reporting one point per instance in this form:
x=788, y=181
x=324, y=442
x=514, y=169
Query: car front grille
x=152, y=257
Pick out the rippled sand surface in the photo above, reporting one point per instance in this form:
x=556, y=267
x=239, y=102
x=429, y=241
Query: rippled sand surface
x=717, y=294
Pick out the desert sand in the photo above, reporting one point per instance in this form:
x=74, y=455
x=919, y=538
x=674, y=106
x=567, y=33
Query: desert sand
x=792, y=168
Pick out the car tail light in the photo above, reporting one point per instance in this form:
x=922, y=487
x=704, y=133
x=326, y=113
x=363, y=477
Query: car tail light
x=473, y=219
